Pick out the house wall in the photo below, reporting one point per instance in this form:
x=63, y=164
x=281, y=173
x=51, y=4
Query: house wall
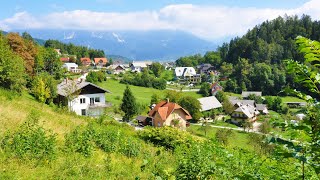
x=76, y=106
x=176, y=114
x=239, y=117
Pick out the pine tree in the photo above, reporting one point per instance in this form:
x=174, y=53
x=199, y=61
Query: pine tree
x=128, y=105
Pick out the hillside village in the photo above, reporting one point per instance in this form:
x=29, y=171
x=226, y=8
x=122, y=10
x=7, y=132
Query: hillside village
x=226, y=117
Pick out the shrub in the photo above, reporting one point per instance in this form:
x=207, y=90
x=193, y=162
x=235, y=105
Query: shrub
x=167, y=137
x=30, y=141
x=223, y=135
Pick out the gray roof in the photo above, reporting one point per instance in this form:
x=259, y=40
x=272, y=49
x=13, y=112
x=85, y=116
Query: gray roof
x=247, y=93
x=243, y=102
x=208, y=103
x=261, y=107
x=69, y=86
x=248, y=110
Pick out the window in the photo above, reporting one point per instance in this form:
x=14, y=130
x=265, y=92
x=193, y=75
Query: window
x=83, y=112
x=82, y=100
x=97, y=99
x=91, y=101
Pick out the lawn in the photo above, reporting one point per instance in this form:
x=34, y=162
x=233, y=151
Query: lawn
x=142, y=94
x=237, y=138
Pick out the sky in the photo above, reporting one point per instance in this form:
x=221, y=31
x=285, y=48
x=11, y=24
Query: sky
x=207, y=19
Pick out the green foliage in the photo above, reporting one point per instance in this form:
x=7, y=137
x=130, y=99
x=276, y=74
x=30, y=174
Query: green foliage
x=157, y=69
x=192, y=105
x=205, y=89
x=71, y=49
x=155, y=99
x=95, y=77
x=227, y=106
x=144, y=79
x=44, y=87
x=12, y=71
x=128, y=105
x=30, y=141
x=196, y=162
x=166, y=136
x=223, y=135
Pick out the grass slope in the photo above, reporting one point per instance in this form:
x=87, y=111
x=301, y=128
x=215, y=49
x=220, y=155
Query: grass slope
x=142, y=94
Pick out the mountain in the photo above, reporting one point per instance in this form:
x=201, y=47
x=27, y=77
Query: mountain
x=135, y=45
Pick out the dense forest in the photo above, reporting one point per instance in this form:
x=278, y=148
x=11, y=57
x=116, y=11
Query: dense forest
x=71, y=49
x=255, y=61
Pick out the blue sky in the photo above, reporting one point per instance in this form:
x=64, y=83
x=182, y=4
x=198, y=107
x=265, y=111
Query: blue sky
x=208, y=19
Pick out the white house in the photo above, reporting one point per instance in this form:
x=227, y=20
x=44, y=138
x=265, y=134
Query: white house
x=82, y=97
x=138, y=66
x=71, y=67
x=182, y=72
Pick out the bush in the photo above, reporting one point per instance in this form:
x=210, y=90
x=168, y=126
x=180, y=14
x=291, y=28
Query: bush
x=223, y=135
x=30, y=141
x=95, y=77
x=167, y=137
x=144, y=80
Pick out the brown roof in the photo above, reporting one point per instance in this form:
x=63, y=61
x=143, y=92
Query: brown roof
x=85, y=59
x=165, y=108
x=64, y=59
x=102, y=60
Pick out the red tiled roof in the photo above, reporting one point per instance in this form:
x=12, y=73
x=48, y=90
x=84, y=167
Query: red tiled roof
x=165, y=108
x=85, y=60
x=100, y=60
x=64, y=59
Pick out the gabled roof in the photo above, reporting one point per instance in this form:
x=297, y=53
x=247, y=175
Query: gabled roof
x=248, y=110
x=69, y=87
x=208, y=103
x=64, y=59
x=243, y=102
x=185, y=71
x=142, y=64
x=261, y=107
x=85, y=59
x=103, y=60
x=70, y=65
x=164, y=109
x=247, y=93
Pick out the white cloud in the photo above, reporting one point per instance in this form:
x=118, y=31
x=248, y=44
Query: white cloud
x=208, y=22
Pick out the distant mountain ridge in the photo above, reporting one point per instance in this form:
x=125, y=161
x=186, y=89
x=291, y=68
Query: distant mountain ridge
x=160, y=45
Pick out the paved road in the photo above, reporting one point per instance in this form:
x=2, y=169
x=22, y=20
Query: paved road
x=184, y=90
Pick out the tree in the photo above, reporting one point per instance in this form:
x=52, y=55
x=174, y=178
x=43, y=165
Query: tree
x=192, y=105
x=205, y=89
x=157, y=69
x=154, y=99
x=128, y=105
x=227, y=106
x=308, y=74
x=44, y=87
x=12, y=71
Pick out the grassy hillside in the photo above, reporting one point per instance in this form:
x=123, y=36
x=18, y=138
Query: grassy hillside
x=142, y=94
x=88, y=148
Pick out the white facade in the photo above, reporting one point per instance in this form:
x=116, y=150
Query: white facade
x=71, y=67
x=88, y=104
x=185, y=71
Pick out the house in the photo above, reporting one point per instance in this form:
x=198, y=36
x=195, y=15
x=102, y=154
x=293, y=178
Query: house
x=58, y=51
x=244, y=113
x=215, y=87
x=167, y=113
x=262, y=108
x=117, y=68
x=205, y=68
x=245, y=94
x=236, y=102
x=85, y=61
x=187, y=74
x=71, y=67
x=64, y=59
x=82, y=97
x=209, y=103
x=138, y=66
x=100, y=62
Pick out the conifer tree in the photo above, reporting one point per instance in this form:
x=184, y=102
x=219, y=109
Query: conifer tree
x=128, y=105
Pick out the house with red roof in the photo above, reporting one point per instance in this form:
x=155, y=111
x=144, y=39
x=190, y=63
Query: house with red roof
x=100, y=61
x=215, y=87
x=167, y=113
x=85, y=61
x=65, y=59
